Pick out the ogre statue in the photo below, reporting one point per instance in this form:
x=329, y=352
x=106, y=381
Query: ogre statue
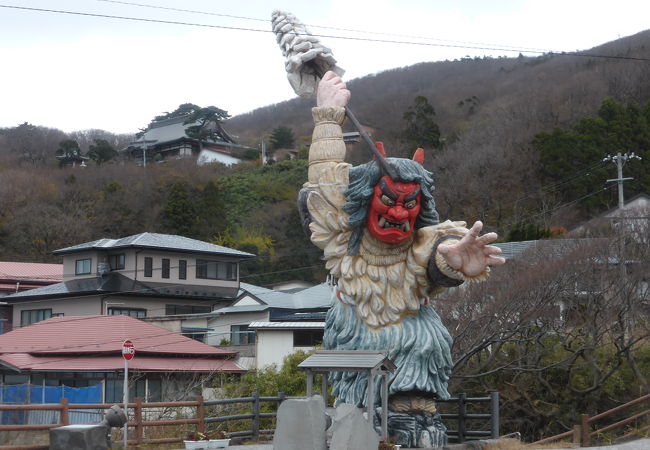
x=388, y=253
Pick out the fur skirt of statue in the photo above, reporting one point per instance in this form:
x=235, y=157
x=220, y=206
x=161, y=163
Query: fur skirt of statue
x=420, y=347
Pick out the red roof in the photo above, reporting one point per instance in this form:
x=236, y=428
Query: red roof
x=94, y=343
x=25, y=361
x=51, y=273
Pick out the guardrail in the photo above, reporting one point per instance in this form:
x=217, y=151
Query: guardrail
x=583, y=433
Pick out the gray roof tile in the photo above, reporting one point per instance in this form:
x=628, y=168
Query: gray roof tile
x=156, y=241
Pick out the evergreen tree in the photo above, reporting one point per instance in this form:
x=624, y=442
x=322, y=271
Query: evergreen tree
x=421, y=130
x=179, y=214
x=101, y=151
x=282, y=137
x=573, y=158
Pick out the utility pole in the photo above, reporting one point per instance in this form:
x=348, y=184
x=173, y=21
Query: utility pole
x=619, y=160
x=144, y=155
x=626, y=297
x=263, y=148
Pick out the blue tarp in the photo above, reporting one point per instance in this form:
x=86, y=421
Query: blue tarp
x=49, y=394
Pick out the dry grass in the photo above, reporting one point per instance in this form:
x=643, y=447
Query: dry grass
x=513, y=444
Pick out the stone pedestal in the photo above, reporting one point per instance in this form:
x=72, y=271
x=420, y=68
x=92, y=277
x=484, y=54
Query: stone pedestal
x=414, y=430
x=301, y=425
x=79, y=437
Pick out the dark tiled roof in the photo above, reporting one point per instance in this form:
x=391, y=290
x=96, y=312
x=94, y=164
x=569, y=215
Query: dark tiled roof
x=169, y=242
x=116, y=282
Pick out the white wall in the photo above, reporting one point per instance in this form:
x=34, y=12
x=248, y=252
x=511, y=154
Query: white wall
x=209, y=156
x=220, y=325
x=273, y=346
x=247, y=301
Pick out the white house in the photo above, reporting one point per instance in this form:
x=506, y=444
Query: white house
x=302, y=313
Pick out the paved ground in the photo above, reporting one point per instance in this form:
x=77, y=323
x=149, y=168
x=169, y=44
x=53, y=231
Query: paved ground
x=641, y=444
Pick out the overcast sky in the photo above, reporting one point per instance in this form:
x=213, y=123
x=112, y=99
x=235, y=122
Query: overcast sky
x=76, y=72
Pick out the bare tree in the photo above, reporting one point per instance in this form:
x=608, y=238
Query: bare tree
x=553, y=331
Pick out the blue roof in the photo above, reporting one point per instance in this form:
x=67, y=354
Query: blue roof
x=315, y=297
x=155, y=241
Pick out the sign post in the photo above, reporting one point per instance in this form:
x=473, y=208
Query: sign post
x=128, y=352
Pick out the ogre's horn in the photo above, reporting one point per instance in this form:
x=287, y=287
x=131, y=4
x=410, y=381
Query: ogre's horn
x=418, y=156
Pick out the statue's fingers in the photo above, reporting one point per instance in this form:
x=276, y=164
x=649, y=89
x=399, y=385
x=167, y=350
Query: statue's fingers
x=473, y=233
x=329, y=75
x=495, y=260
x=476, y=228
x=338, y=83
x=492, y=250
x=487, y=238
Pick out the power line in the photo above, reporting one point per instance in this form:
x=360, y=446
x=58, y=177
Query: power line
x=379, y=33
x=348, y=38
x=582, y=173
x=563, y=205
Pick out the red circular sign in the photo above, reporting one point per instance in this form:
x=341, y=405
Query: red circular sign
x=128, y=350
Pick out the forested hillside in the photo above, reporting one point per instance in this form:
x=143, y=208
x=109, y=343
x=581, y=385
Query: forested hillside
x=518, y=143
x=489, y=112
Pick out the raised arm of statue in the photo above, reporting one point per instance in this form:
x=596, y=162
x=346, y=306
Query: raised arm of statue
x=327, y=173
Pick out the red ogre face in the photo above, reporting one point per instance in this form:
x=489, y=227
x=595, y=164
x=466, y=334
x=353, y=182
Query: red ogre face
x=393, y=210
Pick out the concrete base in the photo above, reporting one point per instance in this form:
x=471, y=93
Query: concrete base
x=79, y=437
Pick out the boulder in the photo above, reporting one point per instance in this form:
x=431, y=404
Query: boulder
x=351, y=430
x=301, y=425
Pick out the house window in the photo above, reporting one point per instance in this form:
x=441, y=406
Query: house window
x=114, y=390
x=241, y=334
x=216, y=270
x=197, y=334
x=131, y=312
x=154, y=390
x=148, y=266
x=307, y=338
x=165, y=268
x=82, y=266
x=30, y=316
x=182, y=269
x=172, y=310
x=116, y=261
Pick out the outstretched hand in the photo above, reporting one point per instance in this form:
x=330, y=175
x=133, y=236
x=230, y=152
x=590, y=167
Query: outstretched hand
x=332, y=91
x=472, y=254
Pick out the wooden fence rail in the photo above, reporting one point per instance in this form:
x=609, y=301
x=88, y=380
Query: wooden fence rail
x=583, y=433
x=200, y=420
x=138, y=424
